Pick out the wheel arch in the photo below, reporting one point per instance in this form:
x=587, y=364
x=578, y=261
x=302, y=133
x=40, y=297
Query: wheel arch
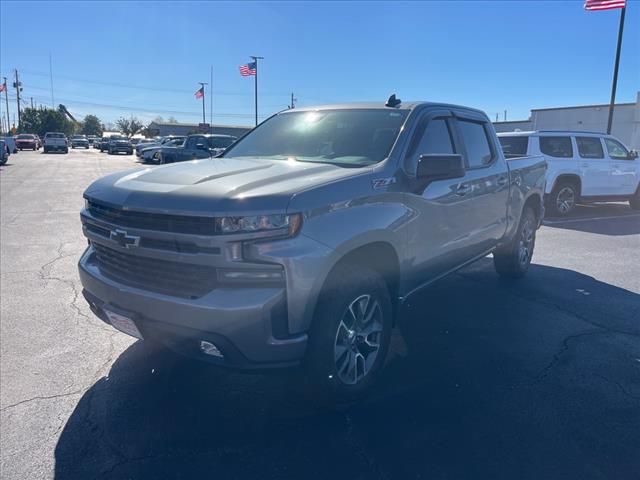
x=568, y=178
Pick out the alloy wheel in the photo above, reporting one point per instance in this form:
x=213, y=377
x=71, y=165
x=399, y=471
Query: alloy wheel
x=358, y=338
x=565, y=200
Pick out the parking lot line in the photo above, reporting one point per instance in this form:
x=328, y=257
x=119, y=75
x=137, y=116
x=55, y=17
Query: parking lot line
x=589, y=219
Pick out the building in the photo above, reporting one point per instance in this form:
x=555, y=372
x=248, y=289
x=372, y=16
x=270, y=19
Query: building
x=162, y=129
x=593, y=118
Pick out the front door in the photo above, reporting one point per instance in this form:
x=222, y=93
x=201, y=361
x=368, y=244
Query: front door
x=624, y=168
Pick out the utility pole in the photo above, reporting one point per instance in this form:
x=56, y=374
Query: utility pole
x=255, y=60
x=6, y=99
x=18, y=87
x=505, y=115
x=614, y=84
x=204, y=118
x=32, y=102
x=293, y=102
x=211, y=102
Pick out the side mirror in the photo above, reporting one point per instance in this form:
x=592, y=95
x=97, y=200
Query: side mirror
x=633, y=154
x=201, y=146
x=440, y=166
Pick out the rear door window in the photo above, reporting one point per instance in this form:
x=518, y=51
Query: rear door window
x=476, y=141
x=514, y=146
x=589, y=147
x=556, y=146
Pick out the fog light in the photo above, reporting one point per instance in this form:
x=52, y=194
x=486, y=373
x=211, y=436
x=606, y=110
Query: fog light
x=209, y=348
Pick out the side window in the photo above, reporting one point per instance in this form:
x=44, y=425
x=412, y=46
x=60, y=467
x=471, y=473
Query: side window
x=436, y=138
x=474, y=136
x=616, y=149
x=559, y=147
x=191, y=143
x=589, y=147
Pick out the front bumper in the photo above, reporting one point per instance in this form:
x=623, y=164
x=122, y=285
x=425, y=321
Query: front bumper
x=121, y=148
x=240, y=321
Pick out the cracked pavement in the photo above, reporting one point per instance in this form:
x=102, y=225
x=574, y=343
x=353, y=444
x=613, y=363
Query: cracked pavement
x=533, y=379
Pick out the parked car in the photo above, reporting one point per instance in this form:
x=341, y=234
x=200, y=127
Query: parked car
x=4, y=152
x=39, y=140
x=194, y=147
x=11, y=144
x=303, y=240
x=79, y=141
x=55, y=142
x=103, y=145
x=583, y=167
x=119, y=144
x=152, y=154
x=26, y=141
x=154, y=143
x=92, y=139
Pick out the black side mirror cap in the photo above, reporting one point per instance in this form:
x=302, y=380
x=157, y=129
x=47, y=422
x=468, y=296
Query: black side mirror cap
x=440, y=166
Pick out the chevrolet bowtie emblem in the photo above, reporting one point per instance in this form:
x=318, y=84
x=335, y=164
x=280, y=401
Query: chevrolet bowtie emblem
x=123, y=239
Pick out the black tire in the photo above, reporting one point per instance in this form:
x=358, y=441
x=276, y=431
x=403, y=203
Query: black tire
x=513, y=260
x=160, y=159
x=333, y=323
x=34, y=149
x=634, y=202
x=66, y=150
x=3, y=160
x=562, y=201
x=73, y=146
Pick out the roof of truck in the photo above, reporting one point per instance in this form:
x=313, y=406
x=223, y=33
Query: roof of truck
x=550, y=132
x=410, y=105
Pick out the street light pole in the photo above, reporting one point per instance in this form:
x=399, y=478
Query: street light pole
x=6, y=99
x=255, y=88
x=614, y=83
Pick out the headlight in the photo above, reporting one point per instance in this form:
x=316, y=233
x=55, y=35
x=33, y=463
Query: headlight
x=269, y=225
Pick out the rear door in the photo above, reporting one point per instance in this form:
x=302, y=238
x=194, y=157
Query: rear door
x=624, y=169
x=594, y=167
x=187, y=151
x=485, y=189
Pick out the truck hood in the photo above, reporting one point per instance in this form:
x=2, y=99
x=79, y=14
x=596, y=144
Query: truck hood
x=219, y=186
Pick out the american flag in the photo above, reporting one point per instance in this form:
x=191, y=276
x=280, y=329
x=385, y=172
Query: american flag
x=199, y=93
x=248, y=69
x=3, y=87
x=603, y=4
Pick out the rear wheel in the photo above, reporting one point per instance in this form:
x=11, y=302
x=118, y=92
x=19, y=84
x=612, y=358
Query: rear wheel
x=350, y=335
x=513, y=260
x=562, y=200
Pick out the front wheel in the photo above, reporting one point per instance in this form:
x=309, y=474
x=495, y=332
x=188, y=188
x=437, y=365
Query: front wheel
x=351, y=330
x=513, y=260
x=634, y=202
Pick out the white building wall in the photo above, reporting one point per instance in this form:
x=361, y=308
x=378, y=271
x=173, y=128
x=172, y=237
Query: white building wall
x=592, y=118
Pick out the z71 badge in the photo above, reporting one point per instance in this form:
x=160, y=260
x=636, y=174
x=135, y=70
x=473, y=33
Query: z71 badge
x=383, y=182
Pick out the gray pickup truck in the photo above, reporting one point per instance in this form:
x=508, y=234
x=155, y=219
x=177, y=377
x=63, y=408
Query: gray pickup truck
x=300, y=243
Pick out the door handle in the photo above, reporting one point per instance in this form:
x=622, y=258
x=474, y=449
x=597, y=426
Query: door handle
x=463, y=189
x=502, y=181
x=585, y=165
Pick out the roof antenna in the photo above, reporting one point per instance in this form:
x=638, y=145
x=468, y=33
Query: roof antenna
x=393, y=101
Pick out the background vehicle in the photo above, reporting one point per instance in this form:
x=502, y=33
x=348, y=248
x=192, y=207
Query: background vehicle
x=55, y=142
x=119, y=144
x=152, y=154
x=92, y=139
x=11, y=144
x=4, y=152
x=307, y=234
x=26, y=141
x=79, y=141
x=154, y=143
x=194, y=147
x=583, y=167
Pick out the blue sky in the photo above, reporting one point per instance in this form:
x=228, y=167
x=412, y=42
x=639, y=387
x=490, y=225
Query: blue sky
x=118, y=59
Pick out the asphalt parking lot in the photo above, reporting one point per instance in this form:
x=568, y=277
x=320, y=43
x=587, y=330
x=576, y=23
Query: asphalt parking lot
x=538, y=379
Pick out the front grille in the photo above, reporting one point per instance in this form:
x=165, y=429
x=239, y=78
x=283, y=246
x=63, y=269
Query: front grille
x=153, y=221
x=170, y=278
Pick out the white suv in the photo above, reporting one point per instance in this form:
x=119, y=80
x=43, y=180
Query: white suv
x=582, y=167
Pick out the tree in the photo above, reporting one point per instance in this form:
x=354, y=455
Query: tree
x=91, y=125
x=159, y=119
x=172, y=120
x=129, y=126
x=43, y=120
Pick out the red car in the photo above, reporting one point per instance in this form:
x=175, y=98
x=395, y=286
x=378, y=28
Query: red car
x=26, y=140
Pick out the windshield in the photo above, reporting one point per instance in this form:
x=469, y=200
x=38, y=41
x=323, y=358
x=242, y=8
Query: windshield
x=221, y=142
x=118, y=138
x=350, y=137
x=514, y=146
x=25, y=137
x=55, y=135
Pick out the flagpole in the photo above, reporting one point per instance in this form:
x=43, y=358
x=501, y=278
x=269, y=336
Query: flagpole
x=614, y=84
x=255, y=87
x=211, y=102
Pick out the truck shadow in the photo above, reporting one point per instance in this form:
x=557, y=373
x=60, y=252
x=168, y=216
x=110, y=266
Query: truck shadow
x=486, y=379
